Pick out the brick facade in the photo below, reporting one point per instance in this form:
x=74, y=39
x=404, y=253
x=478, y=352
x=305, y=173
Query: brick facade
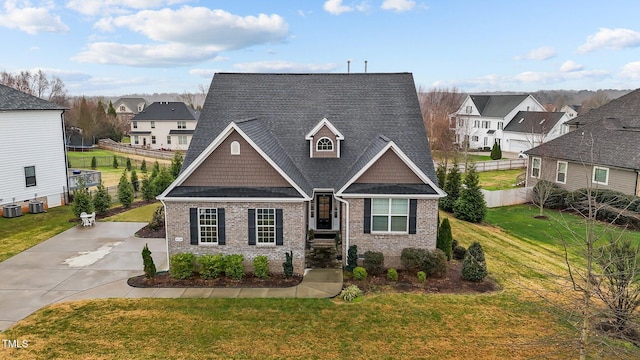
x=236, y=225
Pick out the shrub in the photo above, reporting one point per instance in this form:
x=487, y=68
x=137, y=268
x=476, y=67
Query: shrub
x=392, y=274
x=155, y=170
x=176, y=163
x=182, y=265
x=373, y=262
x=451, y=187
x=211, y=266
x=496, y=154
x=81, y=199
x=147, y=263
x=287, y=266
x=476, y=251
x=234, y=268
x=147, y=189
x=261, y=267
x=470, y=206
x=125, y=191
x=143, y=166
x=128, y=164
x=157, y=221
x=435, y=263
x=459, y=252
x=359, y=273
x=351, y=293
x=352, y=258
x=115, y=162
x=101, y=199
x=134, y=181
x=454, y=243
x=162, y=181
x=94, y=163
x=411, y=258
x=422, y=276
x=445, y=238
x=557, y=196
x=474, y=267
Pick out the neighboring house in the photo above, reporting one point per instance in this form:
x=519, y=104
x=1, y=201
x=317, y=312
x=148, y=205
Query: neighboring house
x=276, y=155
x=164, y=125
x=34, y=159
x=528, y=129
x=602, y=152
x=571, y=110
x=127, y=108
x=481, y=119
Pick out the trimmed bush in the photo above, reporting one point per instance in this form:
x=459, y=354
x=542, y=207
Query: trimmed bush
x=459, y=252
x=445, y=238
x=147, y=263
x=351, y=293
x=392, y=274
x=134, y=181
x=422, y=276
x=211, y=266
x=143, y=166
x=261, y=267
x=101, y=199
x=115, y=162
x=411, y=258
x=234, y=268
x=128, y=164
x=359, y=273
x=147, y=189
x=475, y=249
x=435, y=263
x=182, y=265
x=81, y=199
x=125, y=191
x=287, y=266
x=474, y=267
x=94, y=163
x=352, y=258
x=373, y=262
x=157, y=221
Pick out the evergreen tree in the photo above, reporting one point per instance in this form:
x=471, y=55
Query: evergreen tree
x=101, y=199
x=143, y=166
x=162, y=181
x=115, y=162
x=445, y=238
x=147, y=189
x=111, y=111
x=147, y=261
x=155, y=170
x=470, y=206
x=128, y=164
x=176, y=163
x=451, y=187
x=499, y=152
x=94, y=163
x=125, y=190
x=134, y=181
x=81, y=199
x=495, y=155
x=474, y=267
x=441, y=174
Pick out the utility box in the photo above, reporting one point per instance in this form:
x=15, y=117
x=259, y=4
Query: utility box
x=36, y=207
x=11, y=211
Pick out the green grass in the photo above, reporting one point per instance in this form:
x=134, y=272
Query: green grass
x=139, y=214
x=499, y=179
x=21, y=233
x=88, y=154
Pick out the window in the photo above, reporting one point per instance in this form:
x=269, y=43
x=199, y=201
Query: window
x=486, y=141
x=460, y=122
x=30, y=176
x=235, y=148
x=153, y=139
x=468, y=109
x=122, y=108
x=136, y=141
x=500, y=125
x=168, y=139
x=561, y=172
x=324, y=144
x=475, y=138
x=476, y=123
x=153, y=124
x=600, y=175
x=182, y=139
x=182, y=124
x=486, y=124
x=266, y=226
x=536, y=164
x=208, y=225
x=134, y=124
x=390, y=215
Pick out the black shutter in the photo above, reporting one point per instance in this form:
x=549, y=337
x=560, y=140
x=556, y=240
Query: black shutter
x=252, y=226
x=279, y=235
x=367, y=216
x=193, y=225
x=221, y=229
x=413, y=209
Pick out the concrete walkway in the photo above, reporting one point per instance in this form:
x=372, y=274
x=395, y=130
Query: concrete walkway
x=95, y=262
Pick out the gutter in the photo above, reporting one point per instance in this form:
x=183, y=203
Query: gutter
x=66, y=158
x=346, y=225
x=166, y=235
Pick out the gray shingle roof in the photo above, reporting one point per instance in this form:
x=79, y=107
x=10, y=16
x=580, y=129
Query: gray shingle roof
x=532, y=122
x=12, y=99
x=610, y=137
x=159, y=111
x=287, y=106
x=496, y=105
x=131, y=103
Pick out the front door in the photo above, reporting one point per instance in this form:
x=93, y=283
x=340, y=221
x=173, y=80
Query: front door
x=324, y=212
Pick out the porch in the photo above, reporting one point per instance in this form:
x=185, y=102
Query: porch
x=323, y=248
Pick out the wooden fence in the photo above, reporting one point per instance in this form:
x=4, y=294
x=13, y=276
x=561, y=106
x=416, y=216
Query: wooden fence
x=109, y=144
x=505, y=164
x=507, y=197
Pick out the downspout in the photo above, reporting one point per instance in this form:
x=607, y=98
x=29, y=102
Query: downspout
x=166, y=235
x=66, y=158
x=346, y=225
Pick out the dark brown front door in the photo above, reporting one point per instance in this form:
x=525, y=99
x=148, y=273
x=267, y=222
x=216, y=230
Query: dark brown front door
x=324, y=212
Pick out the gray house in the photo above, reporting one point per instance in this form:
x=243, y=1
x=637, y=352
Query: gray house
x=276, y=155
x=601, y=152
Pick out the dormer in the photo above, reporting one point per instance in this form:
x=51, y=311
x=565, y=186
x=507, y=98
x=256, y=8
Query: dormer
x=324, y=140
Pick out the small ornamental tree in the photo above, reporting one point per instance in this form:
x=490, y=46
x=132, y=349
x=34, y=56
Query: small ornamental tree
x=474, y=267
x=352, y=258
x=134, y=181
x=445, y=238
x=287, y=266
x=495, y=151
x=143, y=166
x=147, y=262
x=452, y=188
x=147, y=189
x=128, y=164
x=162, y=181
x=115, y=162
x=176, y=163
x=94, y=163
x=81, y=199
x=499, y=152
x=157, y=221
x=125, y=191
x=471, y=205
x=441, y=174
x=155, y=170
x=101, y=199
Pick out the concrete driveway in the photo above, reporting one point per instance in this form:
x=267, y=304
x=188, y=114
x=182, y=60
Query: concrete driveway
x=78, y=263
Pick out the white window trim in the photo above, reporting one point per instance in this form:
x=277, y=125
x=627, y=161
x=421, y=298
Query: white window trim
x=134, y=124
x=593, y=176
x=153, y=124
x=35, y=179
x=389, y=216
x=235, y=148
x=566, y=170
x=168, y=139
x=180, y=142
x=275, y=236
x=324, y=150
x=200, y=226
x=182, y=124
x=533, y=160
x=136, y=140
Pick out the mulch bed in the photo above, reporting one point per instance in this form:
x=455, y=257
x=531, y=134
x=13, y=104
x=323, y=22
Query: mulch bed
x=163, y=280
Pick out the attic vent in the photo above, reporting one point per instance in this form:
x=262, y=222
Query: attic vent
x=542, y=121
x=521, y=120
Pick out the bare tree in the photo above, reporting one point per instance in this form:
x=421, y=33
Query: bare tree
x=437, y=104
x=598, y=99
x=38, y=84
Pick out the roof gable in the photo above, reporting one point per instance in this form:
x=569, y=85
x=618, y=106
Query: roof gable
x=534, y=122
x=165, y=110
x=497, y=105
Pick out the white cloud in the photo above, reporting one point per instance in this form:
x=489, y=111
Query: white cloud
x=32, y=20
x=541, y=53
x=164, y=55
x=204, y=73
x=631, y=71
x=398, y=5
x=335, y=7
x=102, y=7
x=611, y=39
x=284, y=67
x=570, y=66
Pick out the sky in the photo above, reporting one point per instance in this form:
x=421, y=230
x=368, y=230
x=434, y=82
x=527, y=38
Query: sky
x=120, y=47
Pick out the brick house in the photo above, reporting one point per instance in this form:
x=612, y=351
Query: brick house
x=276, y=155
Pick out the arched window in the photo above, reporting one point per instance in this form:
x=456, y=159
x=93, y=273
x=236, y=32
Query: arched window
x=235, y=148
x=324, y=144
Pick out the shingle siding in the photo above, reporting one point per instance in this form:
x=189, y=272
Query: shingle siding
x=389, y=169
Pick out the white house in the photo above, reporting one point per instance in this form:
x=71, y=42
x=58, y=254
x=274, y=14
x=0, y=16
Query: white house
x=481, y=119
x=164, y=125
x=34, y=158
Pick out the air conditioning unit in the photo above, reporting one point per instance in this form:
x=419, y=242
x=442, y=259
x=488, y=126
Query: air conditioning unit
x=11, y=211
x=36, y=207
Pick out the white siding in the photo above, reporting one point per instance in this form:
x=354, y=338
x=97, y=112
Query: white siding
x=161, y=131
x=31, y=138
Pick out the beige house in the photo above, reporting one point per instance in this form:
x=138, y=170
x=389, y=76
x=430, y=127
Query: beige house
x=164, y=125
